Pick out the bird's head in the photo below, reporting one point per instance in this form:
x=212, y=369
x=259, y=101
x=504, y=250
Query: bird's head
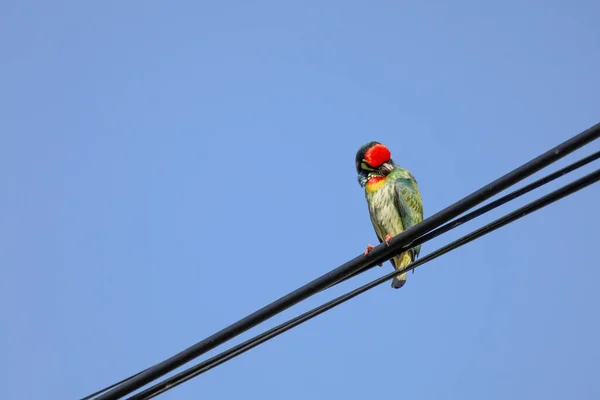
x=373, y=159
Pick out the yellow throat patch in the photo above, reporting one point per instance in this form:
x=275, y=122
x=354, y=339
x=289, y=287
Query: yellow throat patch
x=375, y=183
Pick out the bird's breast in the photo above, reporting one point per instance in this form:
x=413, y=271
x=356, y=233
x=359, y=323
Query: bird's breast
x=384, y=213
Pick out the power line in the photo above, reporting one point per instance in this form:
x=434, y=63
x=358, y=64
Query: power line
x=212, y=362
x=91, y=396
x=379, y=254
x=473, y=214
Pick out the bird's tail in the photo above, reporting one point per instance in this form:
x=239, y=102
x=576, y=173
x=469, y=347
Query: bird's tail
x=401, y=262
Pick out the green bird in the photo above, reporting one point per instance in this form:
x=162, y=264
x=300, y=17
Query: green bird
x=393, y=198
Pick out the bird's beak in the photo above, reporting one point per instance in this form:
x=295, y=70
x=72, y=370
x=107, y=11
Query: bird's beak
x=386, y=168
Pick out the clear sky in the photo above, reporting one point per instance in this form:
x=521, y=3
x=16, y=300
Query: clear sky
x=169, y=167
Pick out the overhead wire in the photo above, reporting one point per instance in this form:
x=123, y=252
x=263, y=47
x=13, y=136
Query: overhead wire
x=91, y=396
x=471, y=215
x=379, y=254
x=212, y=362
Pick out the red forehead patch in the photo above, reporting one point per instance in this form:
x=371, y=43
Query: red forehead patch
x=377, y=155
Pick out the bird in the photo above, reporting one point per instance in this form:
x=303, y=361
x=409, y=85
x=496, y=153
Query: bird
x=393, y=199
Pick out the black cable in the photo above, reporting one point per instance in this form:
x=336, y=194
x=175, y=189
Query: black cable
x=378, y=255
x=212, y=362
x=91, y=396
x=497, y=203
x=474, y=214
x=453, y=224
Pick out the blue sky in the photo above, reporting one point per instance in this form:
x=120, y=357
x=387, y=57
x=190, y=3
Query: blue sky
x=169, y=167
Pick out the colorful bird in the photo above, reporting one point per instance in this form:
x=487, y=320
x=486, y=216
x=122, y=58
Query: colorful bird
x=393, y=198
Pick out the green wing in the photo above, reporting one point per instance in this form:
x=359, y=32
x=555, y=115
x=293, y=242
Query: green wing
x=408, y=201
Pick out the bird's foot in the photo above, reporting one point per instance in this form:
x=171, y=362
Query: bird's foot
x=368, y=250
x=387, y=239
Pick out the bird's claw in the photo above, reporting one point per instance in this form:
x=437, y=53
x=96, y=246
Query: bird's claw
x=387, y=239
x=368, y=250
